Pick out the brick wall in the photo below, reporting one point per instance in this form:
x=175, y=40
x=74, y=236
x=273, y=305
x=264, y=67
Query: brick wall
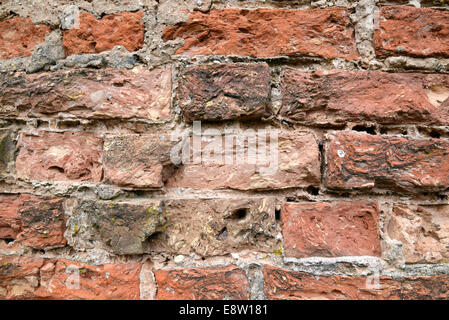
x=109, y=111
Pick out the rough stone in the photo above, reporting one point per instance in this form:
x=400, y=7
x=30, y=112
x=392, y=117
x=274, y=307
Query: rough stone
x=226, y=283
x=267, y=33
x=47, y=53
x=6, y=150
x=331, y=229
x=224, y=92
x=53, y=156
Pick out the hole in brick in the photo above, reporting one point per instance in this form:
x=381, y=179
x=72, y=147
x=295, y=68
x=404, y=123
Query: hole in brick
x=67, y=124
x=9, y=240
x=386, y=130
x=434, y=134
x=239, y=214
x=277, y=214
x=367, y=129
x=42, y=251
x=154, y=237
x=223, y=234
x=313, y=190
x=56, y=168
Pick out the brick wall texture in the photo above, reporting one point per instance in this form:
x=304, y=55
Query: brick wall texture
x=183, y=149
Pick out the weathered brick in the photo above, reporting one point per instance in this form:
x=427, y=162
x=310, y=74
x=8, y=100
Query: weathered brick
x=426, y=34
x=138, y=160
x=37, y=222
x=35, y=278
x=19, y=36
x=267, y=33
x=10, y=224
x=224, y=92
x=298, y=164
x=229, y=283
x=19, y=277
x=54, y=156
x=89, y=94
x=218, y=227
x=331, y=229
x=286, y=284
x=93, y=36
x=422, y=230
x=336, y=97
x=119, y=227
x=358, y=160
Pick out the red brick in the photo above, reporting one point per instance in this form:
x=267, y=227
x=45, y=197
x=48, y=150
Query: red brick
x=298, y=166
x=35, y=278
x=138, y=160
x=225, y=92
x=54, y=156
x=405, y=30
x=423, y=231
x=19, y=36
x=10, y=224
x=228, y=283
x=43, y=223
x=35, y=222
x=336, y=97
x=286, y=284
x=89, y=94
x=267, y=33
x=358, y=160
x=331, y=229
x=93, y=36
x=19, y=277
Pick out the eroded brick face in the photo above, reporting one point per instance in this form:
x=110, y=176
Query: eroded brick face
x=88, y=94
x=96, y=35
x=36, y=278
x=218, y=226
x=285, y=284
x=225, y=92
x=425, y=36
x=359, y=160
x=331, y=229
x=228, y=283
x=335, y=97
x=138, y=160
x=295, y=162
x=267, y=33
x=54, y=156
x=422, y=230
x=36, y=222
x=19, y=36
